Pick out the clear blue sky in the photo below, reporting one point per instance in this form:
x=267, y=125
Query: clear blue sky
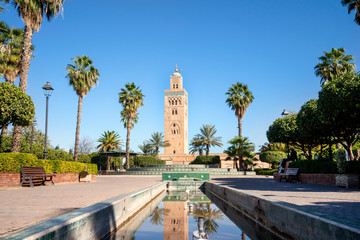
x=271, y=45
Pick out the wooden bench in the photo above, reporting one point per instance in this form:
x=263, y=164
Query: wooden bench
x=34, y=175
x=290, y=174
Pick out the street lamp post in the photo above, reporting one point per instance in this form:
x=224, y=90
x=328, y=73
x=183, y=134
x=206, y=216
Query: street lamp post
x=32, y=136
x=47, y=92
x=285, y=113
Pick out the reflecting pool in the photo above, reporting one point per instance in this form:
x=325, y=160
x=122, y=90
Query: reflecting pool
x=186, y=215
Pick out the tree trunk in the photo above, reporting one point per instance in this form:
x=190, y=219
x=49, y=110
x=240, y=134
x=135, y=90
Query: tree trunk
x=330, y=150
x=108, y=162
x=16, y=141
x=128, y=143
x=207, y=149
x=4, y=130
x=200, y=152
x=239, y=126
x=77, y=134
x=25, y=64
x=348, y=148
x=25, y=57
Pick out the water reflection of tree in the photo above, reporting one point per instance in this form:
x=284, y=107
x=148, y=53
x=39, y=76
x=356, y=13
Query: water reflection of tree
x=209, y=215
x=157, y=215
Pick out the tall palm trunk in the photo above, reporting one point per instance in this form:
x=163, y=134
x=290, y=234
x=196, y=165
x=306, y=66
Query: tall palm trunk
x=207, y=149
x=4, y=130
x=25, y=64
x=76, y=148
x=128, y=128
x=108, y=162
x=240, y=126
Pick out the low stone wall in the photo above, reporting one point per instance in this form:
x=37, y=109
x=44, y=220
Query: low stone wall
x=286, y=221
x=13, y=179
x=314, y=178
x=92, y=222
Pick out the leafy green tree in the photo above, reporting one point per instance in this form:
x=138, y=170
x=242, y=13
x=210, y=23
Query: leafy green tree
x=196, y=146
x=31, y=12
x=109, y=141
x=82, y=77
x=239, y=99
x=243, y=148
x=333, y=64
x=353, y=5
x=15, y=106
x=272, y=157
x=283, y=130
x=312, y=132
x=131, y=99
x=156, y=141
x=146, y=148
x=207, y=137
x=339, y=105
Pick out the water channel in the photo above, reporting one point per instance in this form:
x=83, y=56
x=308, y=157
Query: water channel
x=187, y=215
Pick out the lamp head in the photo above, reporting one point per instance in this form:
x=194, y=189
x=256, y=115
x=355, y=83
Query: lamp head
x=47, y=89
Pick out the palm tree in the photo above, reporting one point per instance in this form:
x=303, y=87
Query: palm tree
x=108, y=142
x=243, y=148
x=232, y=153
x=11, y=40
x=207, y=137
x=239, y=99
x=131, y=99
x=157, y=215
x=204, y=212
x=333, y=64
x=156, y=141
x=82, y=77
x=196, y=146
x=353, y=5
x=146, y=148
x=31, y=12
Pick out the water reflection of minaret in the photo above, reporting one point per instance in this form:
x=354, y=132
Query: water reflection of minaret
x=176, y=223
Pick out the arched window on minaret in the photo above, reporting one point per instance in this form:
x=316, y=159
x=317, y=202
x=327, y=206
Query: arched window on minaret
x=173, y=86
x=175, y=102
x=179, y=102
x=177, y=86
x=172, y=102
x=175, y=112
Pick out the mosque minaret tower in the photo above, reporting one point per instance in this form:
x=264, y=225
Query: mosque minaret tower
x=176, y=116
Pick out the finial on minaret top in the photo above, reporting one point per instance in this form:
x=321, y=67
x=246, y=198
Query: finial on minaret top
x=176, y=70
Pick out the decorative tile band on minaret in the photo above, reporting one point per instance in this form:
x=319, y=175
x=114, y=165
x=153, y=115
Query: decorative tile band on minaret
x=176, y=116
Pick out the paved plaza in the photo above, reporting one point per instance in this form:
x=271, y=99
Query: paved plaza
x=334, y=203
x=23, y=207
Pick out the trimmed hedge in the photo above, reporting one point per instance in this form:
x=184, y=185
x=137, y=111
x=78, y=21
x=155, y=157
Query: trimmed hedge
x=324, y=166
x=209, y=160
x=10, y=162
x=315, y=166
x=142, y=161
x=269, y=172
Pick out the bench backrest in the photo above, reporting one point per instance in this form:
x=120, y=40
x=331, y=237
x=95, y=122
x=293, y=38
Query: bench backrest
x=27, y=171
x=291, y=171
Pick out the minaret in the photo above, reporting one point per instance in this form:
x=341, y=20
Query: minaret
x=176, y=116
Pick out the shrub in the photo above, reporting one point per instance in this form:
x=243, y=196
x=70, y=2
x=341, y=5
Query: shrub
x=209, y=160
x=10, y=162
x=84, y=158
x=315, y=166
x=340, y=157
x=353, y=167
x=266, y=172
x=142, y=161
x=272, y=157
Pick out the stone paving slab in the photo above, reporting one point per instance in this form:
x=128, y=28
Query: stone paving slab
x=337, y=204
x=23, y=207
